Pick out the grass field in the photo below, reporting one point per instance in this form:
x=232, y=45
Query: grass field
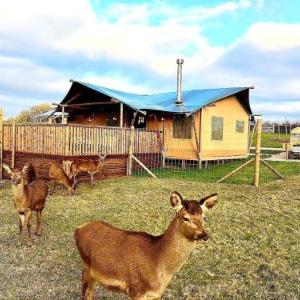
x=253, y=253
x=271, y=140
x=215, y=172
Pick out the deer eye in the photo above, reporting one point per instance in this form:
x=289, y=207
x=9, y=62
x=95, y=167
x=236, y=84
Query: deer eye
x=186, y=219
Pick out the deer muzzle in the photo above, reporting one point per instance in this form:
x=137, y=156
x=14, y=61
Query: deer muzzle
x=201, y=236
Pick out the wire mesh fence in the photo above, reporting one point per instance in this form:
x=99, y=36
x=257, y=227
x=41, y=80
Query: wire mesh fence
x=226, y=155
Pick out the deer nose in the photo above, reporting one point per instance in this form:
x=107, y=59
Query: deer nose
x=202, y=236
x=14, y=181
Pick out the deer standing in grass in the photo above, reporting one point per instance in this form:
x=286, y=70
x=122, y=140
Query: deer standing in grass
x=27, y=198
x=136, y=263
x=90, y=166
x=58, y=175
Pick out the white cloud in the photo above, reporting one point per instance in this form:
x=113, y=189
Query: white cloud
x=75, y=29
x=24, y=75
x=274, y=36
x=44, y=43
x=128, y=14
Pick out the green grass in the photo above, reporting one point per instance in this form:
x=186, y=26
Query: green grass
x=215, y=172
x=253, y=252
x=271, y=140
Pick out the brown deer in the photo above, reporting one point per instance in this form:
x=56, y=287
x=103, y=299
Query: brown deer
x=90, y=166
x=137, y=263
x=27, y=198
x=30, y=174
x=57, y=175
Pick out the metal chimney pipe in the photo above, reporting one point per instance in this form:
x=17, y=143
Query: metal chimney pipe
x=179, y=62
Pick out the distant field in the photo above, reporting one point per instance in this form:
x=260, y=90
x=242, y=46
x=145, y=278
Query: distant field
x=271, y=140
x=253, y=252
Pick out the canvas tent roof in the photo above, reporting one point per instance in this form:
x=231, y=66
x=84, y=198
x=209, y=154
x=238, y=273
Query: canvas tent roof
x=165, y=102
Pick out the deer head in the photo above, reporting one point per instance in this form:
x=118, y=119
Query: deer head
x=16, y=175
x=190, y=215
x=102, y=157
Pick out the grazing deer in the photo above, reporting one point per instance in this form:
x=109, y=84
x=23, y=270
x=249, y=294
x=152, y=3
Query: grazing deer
x=58, y=175
x=90, y=166
x=27, y=198
x=136, y=263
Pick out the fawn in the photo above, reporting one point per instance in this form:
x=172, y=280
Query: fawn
x=27, y=198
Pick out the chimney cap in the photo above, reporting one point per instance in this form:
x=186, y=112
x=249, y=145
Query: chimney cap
x=179, y=60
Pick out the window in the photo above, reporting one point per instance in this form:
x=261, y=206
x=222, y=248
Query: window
x=182, y=127
x=240, y=125
x=217, y=128
x=112, y=121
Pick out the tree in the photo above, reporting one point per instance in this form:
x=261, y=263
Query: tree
x=30, y=115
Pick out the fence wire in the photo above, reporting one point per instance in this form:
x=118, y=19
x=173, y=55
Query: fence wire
x=236, y=151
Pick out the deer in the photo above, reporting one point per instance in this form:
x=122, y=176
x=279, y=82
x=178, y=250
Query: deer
x=90, y=166
x=57, y=175
x=30, y=174
x=28, y=198
x=138, y=264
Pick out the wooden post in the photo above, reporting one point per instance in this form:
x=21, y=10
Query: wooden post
x=164, y=144
x=130, y=151
x=286, y=151
x=13, y=150
x=143, y=166
x=67, y=140
x=121, y=115
x=272, y=169
x=63, y=119
x=196, y=140
x=1, y=141
x=200, y=137
x=236, y=170
x=257, y=151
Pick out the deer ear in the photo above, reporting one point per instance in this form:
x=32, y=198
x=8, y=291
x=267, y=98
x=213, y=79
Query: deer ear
x=6, y=168
x=25, y=169
x=176, y=200
x=208, y=202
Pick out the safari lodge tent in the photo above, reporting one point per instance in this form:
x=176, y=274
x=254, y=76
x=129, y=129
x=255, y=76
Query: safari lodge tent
x=201, y=125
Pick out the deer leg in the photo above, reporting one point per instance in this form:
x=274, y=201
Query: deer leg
x=38, y=230
x=74, y=176
x=28, y=217
x=21, y=228
x=92, y=178
x=52, y=186
x=84, y=284
x=90, y=289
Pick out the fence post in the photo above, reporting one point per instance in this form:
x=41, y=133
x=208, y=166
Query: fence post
x=13, y=145
x=121, y=115
x=1, y=141
x=257, y=151
x=67, y=139
x=130, y=151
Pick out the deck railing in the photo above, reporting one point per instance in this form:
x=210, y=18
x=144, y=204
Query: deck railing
x=69, y=140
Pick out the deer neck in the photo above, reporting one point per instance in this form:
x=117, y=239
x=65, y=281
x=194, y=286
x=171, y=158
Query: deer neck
x=99, y=164
x=174, y=248
x=18, y=190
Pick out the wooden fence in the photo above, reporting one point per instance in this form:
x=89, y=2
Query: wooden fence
x=75, y=140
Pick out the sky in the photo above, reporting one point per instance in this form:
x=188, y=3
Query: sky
x=133, y=46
